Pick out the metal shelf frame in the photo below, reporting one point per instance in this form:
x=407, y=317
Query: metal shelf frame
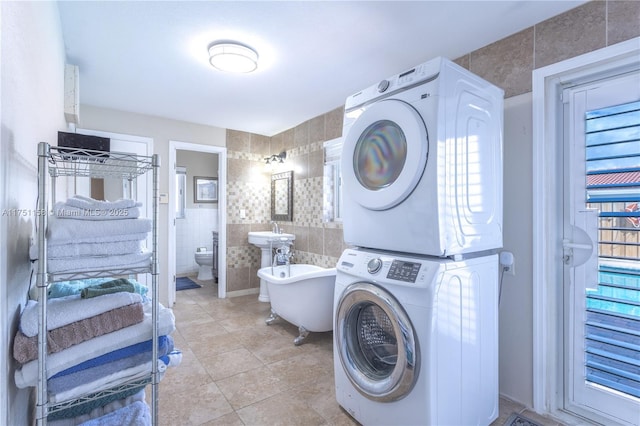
x=54, y=162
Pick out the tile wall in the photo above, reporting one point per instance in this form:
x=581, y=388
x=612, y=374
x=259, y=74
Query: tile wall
x=507, y=63
x=249, y=192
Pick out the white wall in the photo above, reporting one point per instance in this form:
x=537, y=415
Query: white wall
x=32, y=111
x=192, y=232
x=197, y=164
x=516, y=306
x=161, y=130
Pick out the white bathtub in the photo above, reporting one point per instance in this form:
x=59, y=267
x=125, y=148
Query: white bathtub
x=302, y=295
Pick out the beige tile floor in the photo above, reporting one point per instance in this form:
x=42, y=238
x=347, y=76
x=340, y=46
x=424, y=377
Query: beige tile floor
x=236, y=370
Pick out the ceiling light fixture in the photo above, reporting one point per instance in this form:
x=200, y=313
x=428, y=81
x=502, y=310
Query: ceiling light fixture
x=231, y=56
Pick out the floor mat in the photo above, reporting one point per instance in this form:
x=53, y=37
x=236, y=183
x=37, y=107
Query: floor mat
x=185, y=283
x=520, y=420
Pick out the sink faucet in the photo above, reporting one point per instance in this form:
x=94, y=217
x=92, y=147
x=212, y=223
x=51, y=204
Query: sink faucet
x=276, y=229
x=283, y=255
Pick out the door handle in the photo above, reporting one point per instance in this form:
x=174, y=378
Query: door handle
x=569, y=245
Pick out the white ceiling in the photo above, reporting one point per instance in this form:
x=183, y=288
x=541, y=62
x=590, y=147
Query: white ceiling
x=151, y=57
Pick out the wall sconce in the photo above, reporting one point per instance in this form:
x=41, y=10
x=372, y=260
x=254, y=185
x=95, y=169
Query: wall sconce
x=276, y=158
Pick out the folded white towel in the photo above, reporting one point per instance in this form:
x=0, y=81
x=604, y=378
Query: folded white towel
x=57, y=251
x=91, y=204
x=98, y=263
x=60, y=361
x=63, y=211
x=62, y=231
x=95, y=249
x=66, y=310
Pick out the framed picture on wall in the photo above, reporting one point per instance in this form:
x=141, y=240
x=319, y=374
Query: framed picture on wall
x=205, y=189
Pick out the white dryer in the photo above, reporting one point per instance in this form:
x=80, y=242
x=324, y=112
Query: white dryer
x=416, y=339
x=422, y=163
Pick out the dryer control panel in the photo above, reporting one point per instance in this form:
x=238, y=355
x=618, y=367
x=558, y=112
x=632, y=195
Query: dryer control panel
x=419, y=74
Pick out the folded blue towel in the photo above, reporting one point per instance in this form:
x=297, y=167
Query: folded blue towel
x=163, y=343
x=68, y=288
x=67, y=382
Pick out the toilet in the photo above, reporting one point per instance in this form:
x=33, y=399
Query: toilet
x=204, y=259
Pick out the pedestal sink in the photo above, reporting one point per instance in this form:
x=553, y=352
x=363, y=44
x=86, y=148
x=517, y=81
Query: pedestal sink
x=265, y=240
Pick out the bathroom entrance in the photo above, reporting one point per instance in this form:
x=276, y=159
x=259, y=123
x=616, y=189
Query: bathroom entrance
x=197, y=215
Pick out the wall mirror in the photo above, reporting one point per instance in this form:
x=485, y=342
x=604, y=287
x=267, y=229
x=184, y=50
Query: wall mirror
x=282, y=196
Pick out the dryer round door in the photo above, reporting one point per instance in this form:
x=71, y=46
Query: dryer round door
x=376, y=343
x=384, y=154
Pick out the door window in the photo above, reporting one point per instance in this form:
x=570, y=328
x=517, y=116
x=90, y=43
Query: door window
x=181, y=192
x=376, y=343
x=380, y=155
x=384, y=154
x=612, y=329
x=372, y=341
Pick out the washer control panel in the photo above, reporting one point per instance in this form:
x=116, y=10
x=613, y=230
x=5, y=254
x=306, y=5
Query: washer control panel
x=404, y=271
x=381, y=267
x=374, y=265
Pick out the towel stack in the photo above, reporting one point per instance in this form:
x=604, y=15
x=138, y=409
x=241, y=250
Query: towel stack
x=99, y=335
x=91, y=235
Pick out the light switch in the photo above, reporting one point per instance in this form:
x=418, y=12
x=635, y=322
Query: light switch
x=243, y=214
x=164, y=199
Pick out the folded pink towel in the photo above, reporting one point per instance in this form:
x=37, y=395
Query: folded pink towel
x=25, y=348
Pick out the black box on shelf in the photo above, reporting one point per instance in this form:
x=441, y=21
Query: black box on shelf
x=78, y=141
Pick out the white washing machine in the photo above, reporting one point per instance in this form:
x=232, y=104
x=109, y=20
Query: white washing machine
x=422, y=163
x=416, y=339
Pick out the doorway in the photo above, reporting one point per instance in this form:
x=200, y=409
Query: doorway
x=221, y=222
x=573, y=239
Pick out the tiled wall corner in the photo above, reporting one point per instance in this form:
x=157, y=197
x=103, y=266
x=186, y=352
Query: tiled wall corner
x=304, y=144
x=333, y=123
x=463, y=61
x=506, y=63
x=260, y=146
x=248, y=205
x=238, y=141
x=509, y=62
x=317, y=129
x=570, y=34
x=623, y=21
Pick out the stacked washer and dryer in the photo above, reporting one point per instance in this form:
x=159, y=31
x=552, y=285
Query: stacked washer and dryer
x=416, y=300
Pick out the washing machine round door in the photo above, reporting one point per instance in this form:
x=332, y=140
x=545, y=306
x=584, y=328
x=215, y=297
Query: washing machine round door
x=384, y=154
x=376, y=343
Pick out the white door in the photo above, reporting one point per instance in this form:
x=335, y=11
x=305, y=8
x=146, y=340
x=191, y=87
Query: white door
x=140, y=189
x=602, y=249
